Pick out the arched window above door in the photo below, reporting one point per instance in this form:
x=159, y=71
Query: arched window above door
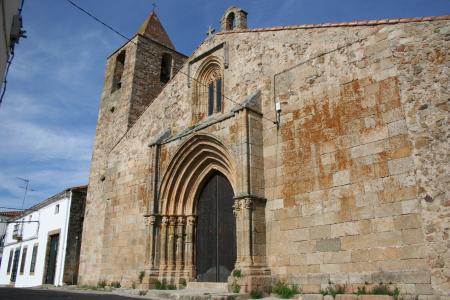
x=208, y=90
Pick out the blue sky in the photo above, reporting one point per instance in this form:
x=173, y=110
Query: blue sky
x=49, y=113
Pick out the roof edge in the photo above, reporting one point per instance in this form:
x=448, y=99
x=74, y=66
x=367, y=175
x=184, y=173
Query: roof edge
x=59, y=196
x=343, y=24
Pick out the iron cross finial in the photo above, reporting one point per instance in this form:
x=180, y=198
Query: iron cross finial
x=210, y=31
x=154, y=5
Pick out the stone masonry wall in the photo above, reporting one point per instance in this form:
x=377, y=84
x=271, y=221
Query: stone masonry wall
x=346, y=181
x=351, y=178
x=423, y=63
x=74, y=236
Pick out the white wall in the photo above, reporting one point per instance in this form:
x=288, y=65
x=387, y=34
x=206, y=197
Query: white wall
x=8, y=8
x=2, y=231
x=38, y=233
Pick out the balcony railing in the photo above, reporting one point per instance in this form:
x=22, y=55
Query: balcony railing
x=17, y=232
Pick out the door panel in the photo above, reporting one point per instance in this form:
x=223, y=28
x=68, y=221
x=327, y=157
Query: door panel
x=51, y=260
x=226, y=230
x=215, y=238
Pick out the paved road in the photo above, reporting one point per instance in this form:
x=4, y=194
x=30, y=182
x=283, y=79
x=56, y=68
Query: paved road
x=28, y=294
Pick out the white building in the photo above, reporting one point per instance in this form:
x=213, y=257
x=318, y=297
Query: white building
x=42, y=246
x=5, y=216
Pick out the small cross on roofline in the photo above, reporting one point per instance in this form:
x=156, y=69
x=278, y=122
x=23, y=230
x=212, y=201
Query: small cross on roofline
x=210, y=31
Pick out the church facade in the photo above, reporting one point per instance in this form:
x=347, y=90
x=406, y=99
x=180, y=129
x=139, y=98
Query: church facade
x=312, y=154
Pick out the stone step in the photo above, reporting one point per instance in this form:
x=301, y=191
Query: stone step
x=208, y=286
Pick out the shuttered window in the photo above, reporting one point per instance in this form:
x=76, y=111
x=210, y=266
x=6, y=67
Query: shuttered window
x=24, y=259
x=33, y=258
x=11, y=253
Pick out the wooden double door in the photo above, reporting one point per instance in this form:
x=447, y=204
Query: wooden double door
x=216, y=230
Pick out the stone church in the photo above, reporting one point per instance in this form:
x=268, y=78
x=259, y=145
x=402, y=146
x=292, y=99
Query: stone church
x=312, y=154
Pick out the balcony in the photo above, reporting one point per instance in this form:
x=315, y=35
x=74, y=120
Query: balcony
x=17, y=232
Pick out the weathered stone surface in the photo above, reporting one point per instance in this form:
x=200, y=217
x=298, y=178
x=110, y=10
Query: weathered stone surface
x=347, y=297
x=375, y=297
x=310, y=297
x=328, y=245
x=355, y=174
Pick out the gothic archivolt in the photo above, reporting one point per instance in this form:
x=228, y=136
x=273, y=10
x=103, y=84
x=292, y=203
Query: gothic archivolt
x=194, y=161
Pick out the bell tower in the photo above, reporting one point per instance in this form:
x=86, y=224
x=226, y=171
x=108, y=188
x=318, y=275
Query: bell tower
x=135, y=74
x=234, y=18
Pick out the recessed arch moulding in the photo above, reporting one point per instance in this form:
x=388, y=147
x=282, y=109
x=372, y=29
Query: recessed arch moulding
x=197, y=158
x=171, y=220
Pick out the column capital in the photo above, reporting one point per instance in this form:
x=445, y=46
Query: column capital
x=164, y=220
x=172, y=220
x=249, y=196
x=236, y=206
x=150, y=220
x=247, y=203
x=181, y=220
x=191, y=220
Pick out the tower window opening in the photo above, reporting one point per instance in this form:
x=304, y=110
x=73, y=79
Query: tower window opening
x=166, y=68
x=231, y=21
x=118, y=71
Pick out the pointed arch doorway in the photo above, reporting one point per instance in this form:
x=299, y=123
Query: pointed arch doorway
x=216, y=230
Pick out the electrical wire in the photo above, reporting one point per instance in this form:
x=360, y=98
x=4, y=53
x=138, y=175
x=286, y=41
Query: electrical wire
x=8, y=63
x=5, y=81
x=130, y=40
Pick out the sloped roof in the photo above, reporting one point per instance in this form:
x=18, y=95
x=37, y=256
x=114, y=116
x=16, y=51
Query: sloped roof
x=10, y=214
x=153, y=29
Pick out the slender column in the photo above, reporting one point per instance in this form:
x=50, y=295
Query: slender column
x=247, y=205
x=151, y=220
x=189, y=251
x=164, y=222
x=171, y=245
x=179, y=248
x=237, y=214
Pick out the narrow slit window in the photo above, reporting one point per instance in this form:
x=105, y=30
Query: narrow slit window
x=56, y=209
x=166, y=68
x=118, y=71
x=219, y=95
x=210, y=98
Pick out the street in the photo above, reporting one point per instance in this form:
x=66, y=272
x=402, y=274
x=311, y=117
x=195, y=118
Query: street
x=31, y=294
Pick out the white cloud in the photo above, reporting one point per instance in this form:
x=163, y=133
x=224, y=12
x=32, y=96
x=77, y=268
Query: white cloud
x=41, y=143
x=47, y=121
x=45, y=183
x=65, y=60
